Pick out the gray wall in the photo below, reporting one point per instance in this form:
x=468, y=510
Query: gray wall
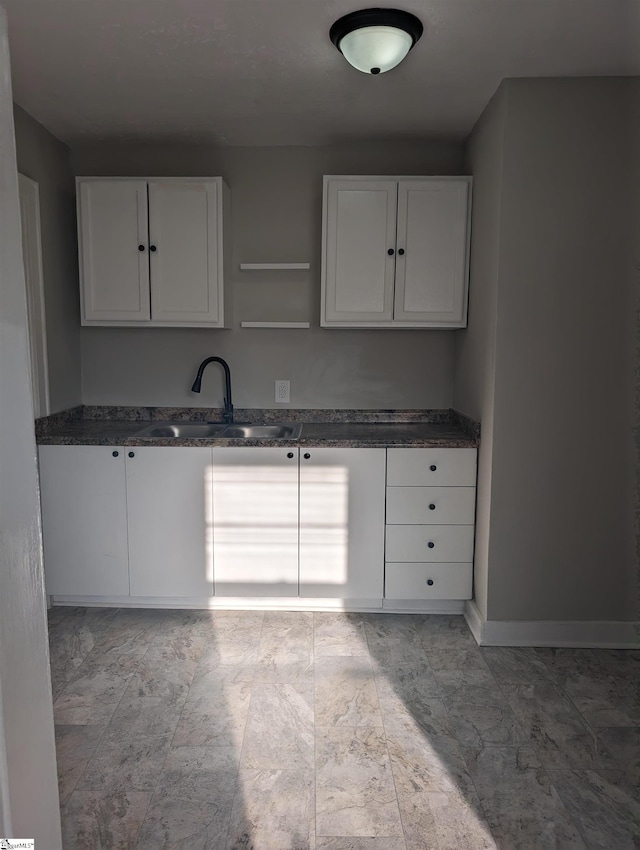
x=476, y=347
x=561, y=542
x=276, y=217
x=46, y=160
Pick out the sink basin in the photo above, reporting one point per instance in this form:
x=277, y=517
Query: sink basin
x=182, y=430
x=279, y=431
x=190, y=430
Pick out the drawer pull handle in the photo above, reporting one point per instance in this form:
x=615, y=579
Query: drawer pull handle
x=430, y=582
x=431, y=544
x=132, y=454
x=115, y=454
x=289, y=454
x=307, y=455
x=433, y=467
x=432, y=507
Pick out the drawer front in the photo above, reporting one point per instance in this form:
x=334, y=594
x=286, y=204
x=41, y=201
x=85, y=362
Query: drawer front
x=431, y=505
x=432, y=543
x=411, y=581
x=431, y=467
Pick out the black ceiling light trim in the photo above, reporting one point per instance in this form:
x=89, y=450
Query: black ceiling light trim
x=376, y=18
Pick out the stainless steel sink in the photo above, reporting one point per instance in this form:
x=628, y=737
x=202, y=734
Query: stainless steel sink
x=242, y=431
x=279, y=431
x=182, y=430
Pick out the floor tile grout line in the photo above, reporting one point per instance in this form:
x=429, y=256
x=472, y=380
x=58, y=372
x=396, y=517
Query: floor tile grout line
x=386, y=741
x=238, y=789
x=592, y=731
x=159, y=776
x=315, y=737
x=575, y=821
x=107, y=724
x=542, y=767
x=457, y=740
x=461, y=748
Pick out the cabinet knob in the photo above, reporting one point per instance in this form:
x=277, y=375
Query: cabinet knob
x=140, y=247
x=307, y=455
x=430, y=582
x=431, y=544
x=132, y=454
x=115, y=454
x=401, y=251
x=289, y=454
x=432, y=507
x=152, y=248
x=390, y=252
x=433, y=467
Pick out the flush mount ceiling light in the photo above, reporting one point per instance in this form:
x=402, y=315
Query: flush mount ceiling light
x=375, y=40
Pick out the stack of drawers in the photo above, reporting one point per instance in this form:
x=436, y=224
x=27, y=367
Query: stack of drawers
x=431, y=501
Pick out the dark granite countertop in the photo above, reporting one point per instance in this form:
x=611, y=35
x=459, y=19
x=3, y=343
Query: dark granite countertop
x=112, y=426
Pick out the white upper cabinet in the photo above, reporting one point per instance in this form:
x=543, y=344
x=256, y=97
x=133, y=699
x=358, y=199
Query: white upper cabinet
x=151, y=251
x=113, y=234
x=395, y=252
x=360, y=222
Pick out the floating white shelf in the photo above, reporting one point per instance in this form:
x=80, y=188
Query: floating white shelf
x=275, y=325
x=249, y=267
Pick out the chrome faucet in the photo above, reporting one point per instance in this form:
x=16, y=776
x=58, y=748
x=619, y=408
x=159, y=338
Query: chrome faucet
x=228, y=406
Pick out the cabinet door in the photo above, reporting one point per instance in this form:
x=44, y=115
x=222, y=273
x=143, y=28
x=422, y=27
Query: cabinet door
x=84, y=520
x=185, y=228
x=114, y=250
x=255, y=521
x=342, y=523
x=431, y=266
x=170, y=521
x=359, y=231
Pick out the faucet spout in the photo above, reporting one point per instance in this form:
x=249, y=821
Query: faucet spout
x=197, y=384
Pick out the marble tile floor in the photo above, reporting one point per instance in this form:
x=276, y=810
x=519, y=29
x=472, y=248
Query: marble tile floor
x=333, y=731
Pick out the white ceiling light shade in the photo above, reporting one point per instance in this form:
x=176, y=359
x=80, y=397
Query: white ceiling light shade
x=376, y=40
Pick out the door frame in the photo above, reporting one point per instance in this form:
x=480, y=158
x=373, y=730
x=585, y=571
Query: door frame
x=29, y=192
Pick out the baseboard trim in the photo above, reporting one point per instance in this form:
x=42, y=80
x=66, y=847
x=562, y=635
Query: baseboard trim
x=586, y=634
x=245, y=603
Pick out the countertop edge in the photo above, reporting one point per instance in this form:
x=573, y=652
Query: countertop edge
x=319, y=442
x=92, y=426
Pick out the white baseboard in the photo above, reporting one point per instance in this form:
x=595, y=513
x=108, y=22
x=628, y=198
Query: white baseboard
x=423, y=606
x=588, y=634
x=222, y=603
x=246, y=603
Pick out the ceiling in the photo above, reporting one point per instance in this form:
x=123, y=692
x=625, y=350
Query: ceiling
x=263, y=72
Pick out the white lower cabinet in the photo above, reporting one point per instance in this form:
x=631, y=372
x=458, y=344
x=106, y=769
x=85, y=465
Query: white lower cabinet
x=127, y=521
x=255, y=521
x=160, y=523
x=84, y=520
x=431, y=498
x=170, y=521
x=342, y=523
x=306, y=522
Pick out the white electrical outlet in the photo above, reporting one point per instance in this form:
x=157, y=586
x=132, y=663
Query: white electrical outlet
x=282, y=392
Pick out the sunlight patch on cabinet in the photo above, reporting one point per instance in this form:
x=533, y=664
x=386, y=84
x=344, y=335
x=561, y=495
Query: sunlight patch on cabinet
x=324, y=526
x=255, y=550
